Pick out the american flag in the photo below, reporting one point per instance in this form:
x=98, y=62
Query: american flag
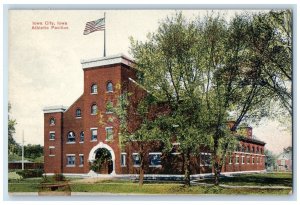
x=92, y=26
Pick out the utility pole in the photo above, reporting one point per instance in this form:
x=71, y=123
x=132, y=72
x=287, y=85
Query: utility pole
x=23, y=150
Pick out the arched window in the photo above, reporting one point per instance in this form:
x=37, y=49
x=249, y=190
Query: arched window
x=71, y=136
x=78, y=113
x=52, y=121
x=109, y=87
x=81, y=136
x=94, y=88
x=94, y=109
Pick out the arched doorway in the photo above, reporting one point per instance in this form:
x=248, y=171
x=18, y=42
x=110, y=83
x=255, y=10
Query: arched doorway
x=103, y=162
x=102, y=159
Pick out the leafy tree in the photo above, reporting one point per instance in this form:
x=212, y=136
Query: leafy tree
x=203, y=70
x=270, y=159
x=33, y=151
x=13, y=146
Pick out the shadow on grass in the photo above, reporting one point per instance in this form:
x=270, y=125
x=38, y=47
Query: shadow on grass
x=256, y=180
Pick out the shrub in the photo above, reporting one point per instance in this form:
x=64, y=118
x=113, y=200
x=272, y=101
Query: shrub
x=30, y=173
x=59, y=177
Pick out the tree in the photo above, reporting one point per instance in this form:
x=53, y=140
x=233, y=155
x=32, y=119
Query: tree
x=204, y=70
x=270, y=159
x=13, y=146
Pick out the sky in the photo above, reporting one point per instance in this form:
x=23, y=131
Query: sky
x=45, y=68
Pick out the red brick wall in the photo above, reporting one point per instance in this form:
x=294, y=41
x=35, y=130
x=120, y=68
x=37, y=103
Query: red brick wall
x=53, y=164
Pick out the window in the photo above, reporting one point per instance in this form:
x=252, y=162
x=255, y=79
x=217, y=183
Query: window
x=248, y=160
x=155, y=159
x=205, y=159
x=243, y=160
x=78, y=113
x=257, y=150
x=109, y=133
x=237, y=160
x=109, y=107
x=52, y=121
x=109, y=87
x=282, y=162
x=81, y=136
x=94, y=109
x=252, y=160
x=261, y=151
x=71, y=160
x=253, y=149
x=71, y=137
x=136, y=159
x=256, y=160
x=123, y=159
x=230, y=159
x=94, y=88
x=81, y=159
x=94, y=134
x=51, y=151
x=52, y=135
x=247, y=149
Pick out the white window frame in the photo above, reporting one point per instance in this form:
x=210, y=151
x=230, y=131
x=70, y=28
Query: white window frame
x=205, y=165
x=81, y=155
x=52, y=132
x=54, y=121
x=92, y=90
x=155, y=153
x=111, y=91
x=136, y=165
x=237, y=159
x=51, y=147
x=257, y=160
x=253, y=160
x=78, y=117
x=94, y=128
x=123, y=154
x=248, y=161
x=72, y=142
x=112, y=129
x=71, y=155
x=230, y=159
x=80, y=137
x=243, y=159
x=92, y=109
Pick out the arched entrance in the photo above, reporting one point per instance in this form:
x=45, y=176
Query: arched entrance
x=102, y=159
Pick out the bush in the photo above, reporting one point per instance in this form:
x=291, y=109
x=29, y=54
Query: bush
x=30, y=173
x=59, y=177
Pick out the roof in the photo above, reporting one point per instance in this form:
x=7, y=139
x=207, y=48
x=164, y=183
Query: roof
x=246, y=139
x=110, y=60
x=53, y=109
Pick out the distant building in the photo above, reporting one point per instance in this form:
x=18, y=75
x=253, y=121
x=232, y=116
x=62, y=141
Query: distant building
x=284, y=161
x=74, y=138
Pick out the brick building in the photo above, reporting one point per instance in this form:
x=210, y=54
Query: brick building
x=74, y=137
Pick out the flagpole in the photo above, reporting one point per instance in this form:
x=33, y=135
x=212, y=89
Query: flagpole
x=104, y=52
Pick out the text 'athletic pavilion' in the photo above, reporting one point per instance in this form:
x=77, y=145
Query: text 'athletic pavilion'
x=77, y=136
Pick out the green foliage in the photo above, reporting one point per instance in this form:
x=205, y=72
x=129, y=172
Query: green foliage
x=59, y=177
x=103, y=156
x=30, y=173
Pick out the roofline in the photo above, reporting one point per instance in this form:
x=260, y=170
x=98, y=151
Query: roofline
x=109, y=60
x=251, y=140
x=54, y=109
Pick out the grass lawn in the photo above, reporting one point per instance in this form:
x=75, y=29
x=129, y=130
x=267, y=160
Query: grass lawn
x=266, y=179
x=123, y=186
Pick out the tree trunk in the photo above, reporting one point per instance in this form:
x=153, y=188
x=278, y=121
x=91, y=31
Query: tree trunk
x=141, y=179
x=217, y=174
x=187, y=173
